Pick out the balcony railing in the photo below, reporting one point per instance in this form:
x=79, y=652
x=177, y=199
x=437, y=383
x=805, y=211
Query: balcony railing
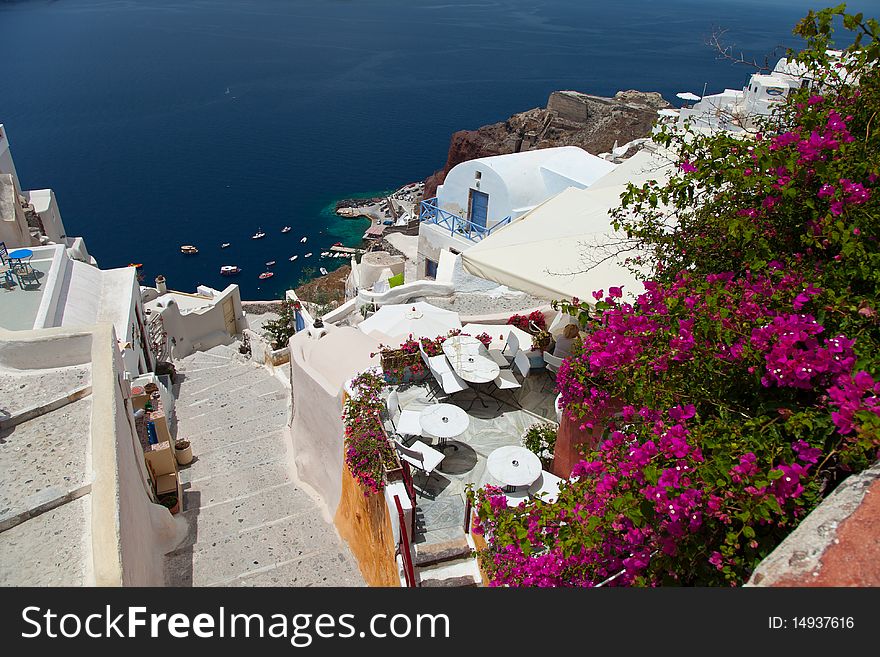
x=431, y=213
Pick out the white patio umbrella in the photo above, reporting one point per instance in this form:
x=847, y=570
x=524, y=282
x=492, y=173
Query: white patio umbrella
x=687, y=95
x=421, y=319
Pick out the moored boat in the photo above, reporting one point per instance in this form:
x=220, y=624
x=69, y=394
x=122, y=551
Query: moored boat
x=286, y=229
x=303, y=240
x=270, y=263
x=293, y=257
x=307, y=255
x=230, y=270
x=188, y=249
x=136, y=265
x=266, y=274
x=323, y=271
x=224, y=245
x=259, y=234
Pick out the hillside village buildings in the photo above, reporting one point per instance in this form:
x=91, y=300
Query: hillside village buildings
x=101, y=377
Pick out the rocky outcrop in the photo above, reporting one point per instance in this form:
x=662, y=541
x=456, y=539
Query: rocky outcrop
x=571, y=118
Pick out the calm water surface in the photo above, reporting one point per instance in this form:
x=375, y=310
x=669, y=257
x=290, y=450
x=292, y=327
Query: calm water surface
x=161, y=123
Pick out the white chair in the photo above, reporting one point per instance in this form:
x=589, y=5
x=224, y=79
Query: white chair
x=446, y=378
x=506, y=379
x=504, y=356
x=421, y=456
x=408, y=422
x=553, y=362
x=451, y=382
x=546, y=486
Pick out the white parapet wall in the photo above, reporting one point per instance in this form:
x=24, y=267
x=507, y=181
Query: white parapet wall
x=403, y=293
x=321, y=361
x=107, y=531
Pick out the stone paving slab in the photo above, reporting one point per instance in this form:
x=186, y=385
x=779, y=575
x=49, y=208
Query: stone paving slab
x=259, y=450
x=49, y=550
x=20, y=389
x=260, y=507
x=44, y=459
x=322, y=568
x=228, y=485
x=250, y=550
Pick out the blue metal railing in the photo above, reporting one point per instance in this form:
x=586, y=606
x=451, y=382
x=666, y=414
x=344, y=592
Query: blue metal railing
x=431, y=213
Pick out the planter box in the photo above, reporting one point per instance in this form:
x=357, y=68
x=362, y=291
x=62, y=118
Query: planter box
x=536, y=359
x=406, y=377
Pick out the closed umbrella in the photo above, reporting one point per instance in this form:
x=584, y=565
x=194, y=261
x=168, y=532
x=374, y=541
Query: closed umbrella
x=419, y=319
x=300, y=322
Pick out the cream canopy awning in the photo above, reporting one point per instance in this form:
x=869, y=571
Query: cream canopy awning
x=560, y=249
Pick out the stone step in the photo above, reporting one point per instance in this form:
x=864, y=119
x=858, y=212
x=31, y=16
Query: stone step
x=319, y=568
x=465, y=581
x=231, y=556
x=427, y=554
x=229, y=485
x=203, y=382
x=208, y=419
x=237, y=455
x=234, y=427
x=211, y=522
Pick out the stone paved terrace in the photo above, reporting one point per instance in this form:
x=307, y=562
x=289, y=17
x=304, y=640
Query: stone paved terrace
x=440, y=498
x=250, y=524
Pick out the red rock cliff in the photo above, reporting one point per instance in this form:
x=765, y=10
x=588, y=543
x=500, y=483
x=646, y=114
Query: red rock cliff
x=571, y=118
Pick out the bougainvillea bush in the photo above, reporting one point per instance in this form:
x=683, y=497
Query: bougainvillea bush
x=368, y=450
x=742, y=386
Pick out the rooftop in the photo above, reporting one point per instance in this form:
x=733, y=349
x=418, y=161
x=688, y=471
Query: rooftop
x=20, y=301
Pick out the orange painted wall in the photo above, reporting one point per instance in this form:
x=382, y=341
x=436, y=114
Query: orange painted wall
x=364, y=523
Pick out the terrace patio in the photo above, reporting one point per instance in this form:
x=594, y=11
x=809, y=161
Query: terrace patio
x=440, y=498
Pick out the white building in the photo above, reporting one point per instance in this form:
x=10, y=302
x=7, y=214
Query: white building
x=483, y=195
x=734, y=110
x=60, y=291
x=6, y=163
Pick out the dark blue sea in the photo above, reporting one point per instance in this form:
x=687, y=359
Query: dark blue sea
x=161, y=123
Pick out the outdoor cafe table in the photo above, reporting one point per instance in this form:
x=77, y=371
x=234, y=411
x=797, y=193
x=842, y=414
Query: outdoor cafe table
x=514, y=466
x=470, y=359
x=21, y=254
x=444, y=421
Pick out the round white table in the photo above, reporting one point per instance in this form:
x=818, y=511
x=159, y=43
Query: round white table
x=470, y=359
x=444, y=421
x=514, y=466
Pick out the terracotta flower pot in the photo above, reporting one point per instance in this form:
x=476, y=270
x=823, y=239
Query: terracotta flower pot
x=184, y=455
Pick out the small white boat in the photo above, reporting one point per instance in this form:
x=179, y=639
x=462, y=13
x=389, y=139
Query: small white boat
x=259, y=234
x=307, y=255
x=224, y=245
x=230, y=270
x=324, y=254
x=303, y=240
x=270, y=263
x=188, y=249
x=286, y=229
x=293, y=257
x=323, y=271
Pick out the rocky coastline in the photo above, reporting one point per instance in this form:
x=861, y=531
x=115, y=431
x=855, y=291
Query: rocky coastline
x=598, y=124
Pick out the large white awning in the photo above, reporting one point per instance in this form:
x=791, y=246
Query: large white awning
x=561, y=249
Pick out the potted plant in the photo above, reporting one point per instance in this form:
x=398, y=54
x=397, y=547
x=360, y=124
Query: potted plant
x=540, y=438
x=170, y=502
x=183, y=452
